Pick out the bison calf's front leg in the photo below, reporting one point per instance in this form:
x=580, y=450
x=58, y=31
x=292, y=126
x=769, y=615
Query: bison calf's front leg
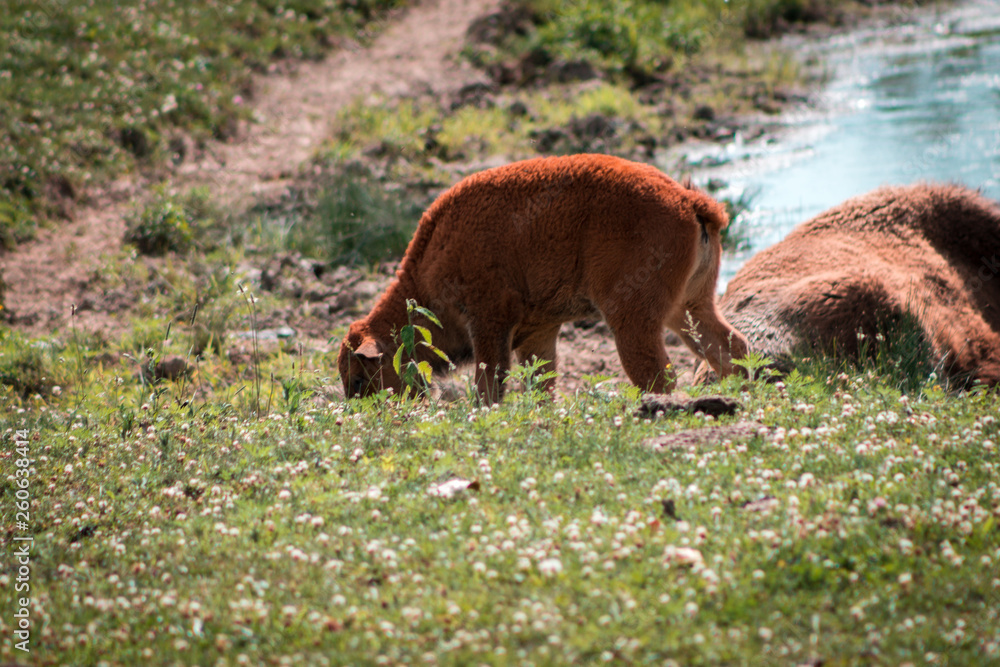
x=492, y=357
x=645, y=359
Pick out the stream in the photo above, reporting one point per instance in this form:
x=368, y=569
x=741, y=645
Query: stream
x=907, y=103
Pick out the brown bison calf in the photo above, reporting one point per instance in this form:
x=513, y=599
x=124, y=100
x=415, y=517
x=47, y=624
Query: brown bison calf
x=927, y=252
x=506, y=256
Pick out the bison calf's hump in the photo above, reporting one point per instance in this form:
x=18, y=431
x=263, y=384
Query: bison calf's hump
x=921, y=254
x=507, y=255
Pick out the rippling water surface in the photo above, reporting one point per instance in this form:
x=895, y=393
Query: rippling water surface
x=910, y=103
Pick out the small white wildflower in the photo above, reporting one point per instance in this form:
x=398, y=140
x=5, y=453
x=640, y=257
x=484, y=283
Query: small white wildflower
x=550, y=567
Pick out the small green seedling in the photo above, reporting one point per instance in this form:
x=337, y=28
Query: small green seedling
x=753, y=363
x=416, y=375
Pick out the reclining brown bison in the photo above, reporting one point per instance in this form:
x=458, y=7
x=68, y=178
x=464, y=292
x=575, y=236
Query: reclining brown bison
x=506, y=256
x=927, y=252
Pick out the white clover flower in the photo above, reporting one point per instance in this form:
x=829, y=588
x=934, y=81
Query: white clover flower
x=550, y=567
x=684, y=556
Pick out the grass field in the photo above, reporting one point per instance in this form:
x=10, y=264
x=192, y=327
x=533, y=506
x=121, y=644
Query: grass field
x=174, y=523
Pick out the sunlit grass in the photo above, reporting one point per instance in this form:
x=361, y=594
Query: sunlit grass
x=399, y=127
x=485, y=131
x=859, y=521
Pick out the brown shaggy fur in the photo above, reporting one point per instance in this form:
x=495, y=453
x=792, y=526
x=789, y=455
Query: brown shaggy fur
x=928, y=251
x=507, y=255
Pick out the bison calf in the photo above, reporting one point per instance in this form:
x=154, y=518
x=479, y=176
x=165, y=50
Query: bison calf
x=508, y=255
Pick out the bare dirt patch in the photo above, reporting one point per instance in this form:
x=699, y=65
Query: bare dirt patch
x=706, y=438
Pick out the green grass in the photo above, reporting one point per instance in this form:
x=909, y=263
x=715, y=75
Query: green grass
x=358, y=222
x=637, y=37
x=190, y=531
x=422, y=132
x=620, y=35
x=348, y=217
x=94, y=90
x=175, y=223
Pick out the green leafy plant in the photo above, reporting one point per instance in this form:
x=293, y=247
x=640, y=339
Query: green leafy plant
x=416, y=375
x=753, y=363
x=530, y=376
x=294, y=391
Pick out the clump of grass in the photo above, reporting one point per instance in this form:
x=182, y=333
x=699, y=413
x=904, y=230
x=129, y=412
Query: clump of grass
x=31, y=367
x=894, y=350
x=648, y=35
x=363, y=224
x=145, y=335
x=16, y=222
x=475, y=131
x=393, y=129
x=607, y=99
x=899, y=352
x=421, y=131
x=159, y=228
x=173, y=223
x=357, y=220
x=617, y=36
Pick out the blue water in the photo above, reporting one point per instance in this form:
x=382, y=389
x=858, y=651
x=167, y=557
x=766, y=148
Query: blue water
x=904, y=104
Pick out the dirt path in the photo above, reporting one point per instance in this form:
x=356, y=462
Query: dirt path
x=416, y=53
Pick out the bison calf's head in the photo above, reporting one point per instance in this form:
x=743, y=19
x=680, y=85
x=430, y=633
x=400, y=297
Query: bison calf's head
x=365, y=365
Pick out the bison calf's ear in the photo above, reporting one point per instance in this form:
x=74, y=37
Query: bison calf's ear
x=369, y=350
